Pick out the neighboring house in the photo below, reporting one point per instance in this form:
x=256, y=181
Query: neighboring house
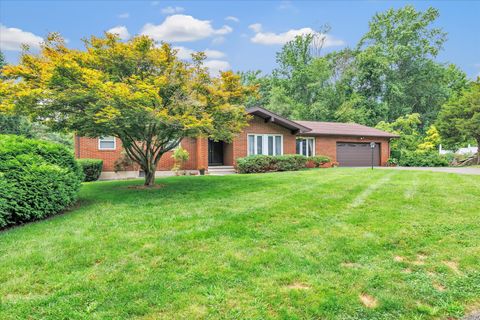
x=267, y=133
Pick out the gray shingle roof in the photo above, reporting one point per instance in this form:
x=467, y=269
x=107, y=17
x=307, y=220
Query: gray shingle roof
x=343, y=129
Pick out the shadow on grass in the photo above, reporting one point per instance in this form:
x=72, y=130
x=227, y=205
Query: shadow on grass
x=80, y=203
x=178, y=188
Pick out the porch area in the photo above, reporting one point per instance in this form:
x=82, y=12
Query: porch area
x=220, y=158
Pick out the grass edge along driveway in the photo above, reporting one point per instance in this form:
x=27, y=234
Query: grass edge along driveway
x=332, y=243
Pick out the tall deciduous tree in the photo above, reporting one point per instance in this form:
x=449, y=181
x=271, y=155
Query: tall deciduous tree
x=396, y=64
x=391, y=73
x=459, y=119
x=136, y=91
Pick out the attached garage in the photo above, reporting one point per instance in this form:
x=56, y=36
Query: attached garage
x=349, y=143
x=357, y=154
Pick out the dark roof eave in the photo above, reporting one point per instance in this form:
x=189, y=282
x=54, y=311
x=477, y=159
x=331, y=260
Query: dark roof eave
x=352, y=135
x=275, y=118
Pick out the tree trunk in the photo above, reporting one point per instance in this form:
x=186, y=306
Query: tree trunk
x=478, y=151
x=146, y=155
x=149, y=177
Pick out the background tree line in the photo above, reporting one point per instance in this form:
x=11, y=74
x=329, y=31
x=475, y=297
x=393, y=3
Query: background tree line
x=389, y=79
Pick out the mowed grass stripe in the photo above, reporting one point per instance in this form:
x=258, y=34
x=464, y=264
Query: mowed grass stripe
x=281, y=245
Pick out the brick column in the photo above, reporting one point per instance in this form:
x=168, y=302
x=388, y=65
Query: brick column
x=202, y=153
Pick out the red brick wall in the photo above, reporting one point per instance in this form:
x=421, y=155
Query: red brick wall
x=327, y=146
x=228, y=154
x=198, y=148
x=202, y=153
x=88, y=148
x=258, y=126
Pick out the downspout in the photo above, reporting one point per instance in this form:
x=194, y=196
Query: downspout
x=77, y=146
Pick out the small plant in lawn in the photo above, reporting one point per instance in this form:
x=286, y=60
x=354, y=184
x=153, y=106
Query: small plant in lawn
x=392, y=162
x=180, y=156
x=123, y=162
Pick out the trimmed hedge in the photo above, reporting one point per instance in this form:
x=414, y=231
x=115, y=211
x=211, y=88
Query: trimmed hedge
x=319, y=160
x=262, y=163
x=422, y=159
x=92, y=168
x=37, y=179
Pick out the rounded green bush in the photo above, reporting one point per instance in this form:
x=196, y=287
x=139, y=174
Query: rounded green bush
x=92, y=168
x=37, y=179
x=262, y=163
x=422, y=159
x=319, y=160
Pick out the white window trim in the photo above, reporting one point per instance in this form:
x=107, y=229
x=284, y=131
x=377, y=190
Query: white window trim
x=264, y=143
x=306, y=138
x=114, y=144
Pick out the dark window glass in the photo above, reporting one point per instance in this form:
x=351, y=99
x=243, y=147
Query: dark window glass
x=259, y=145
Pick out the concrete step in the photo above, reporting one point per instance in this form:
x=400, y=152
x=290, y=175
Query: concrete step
x=221, y=170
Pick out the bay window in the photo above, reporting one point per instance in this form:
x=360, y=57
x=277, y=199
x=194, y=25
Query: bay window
x=306, y=146
x=267, y=144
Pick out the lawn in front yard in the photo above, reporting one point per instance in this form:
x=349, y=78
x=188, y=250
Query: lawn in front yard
x=327, y=243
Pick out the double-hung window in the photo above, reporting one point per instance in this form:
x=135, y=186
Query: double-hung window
x=106, y=143
x=267, y=144
x=306, y=146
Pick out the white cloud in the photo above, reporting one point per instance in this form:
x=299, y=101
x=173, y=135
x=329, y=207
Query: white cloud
x=186, y=53
x=214, y=54
x=124, y=15
x=181, y=28
x=232, y=18
x=286, y=5
x=218, y=40
x=256, y=27
x=270, y=38
x=215, y=66
x=172, y=10
x=11, y=39
x=121, y=31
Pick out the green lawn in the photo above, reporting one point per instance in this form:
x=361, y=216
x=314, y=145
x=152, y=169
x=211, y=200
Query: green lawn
x=295, y=245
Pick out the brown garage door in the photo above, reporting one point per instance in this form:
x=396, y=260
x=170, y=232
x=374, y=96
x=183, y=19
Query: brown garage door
x=357, y=154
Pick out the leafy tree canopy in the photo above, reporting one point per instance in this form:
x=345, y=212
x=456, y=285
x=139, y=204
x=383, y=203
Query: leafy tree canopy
x=391, y=73
x=136, y=91
x=459, y=119
x=407, y=127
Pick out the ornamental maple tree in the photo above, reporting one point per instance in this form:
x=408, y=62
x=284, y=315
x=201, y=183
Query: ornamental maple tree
x=137, y=91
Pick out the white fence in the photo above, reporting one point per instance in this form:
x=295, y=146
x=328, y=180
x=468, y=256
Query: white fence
x=467, y=150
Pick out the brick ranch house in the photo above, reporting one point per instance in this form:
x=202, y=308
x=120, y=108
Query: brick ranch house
x=267, y=133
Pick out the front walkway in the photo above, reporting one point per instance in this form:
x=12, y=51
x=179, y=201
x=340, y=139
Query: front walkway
x=459, y=170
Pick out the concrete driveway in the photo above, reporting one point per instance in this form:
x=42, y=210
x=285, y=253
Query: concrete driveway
x=459, y=170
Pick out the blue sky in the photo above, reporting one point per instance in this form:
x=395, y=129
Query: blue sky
x=241, y=35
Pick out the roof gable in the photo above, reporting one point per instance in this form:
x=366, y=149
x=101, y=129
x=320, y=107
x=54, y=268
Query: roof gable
x=271, y=117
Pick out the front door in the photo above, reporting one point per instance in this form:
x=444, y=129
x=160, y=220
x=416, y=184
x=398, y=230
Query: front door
x=215, y=153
